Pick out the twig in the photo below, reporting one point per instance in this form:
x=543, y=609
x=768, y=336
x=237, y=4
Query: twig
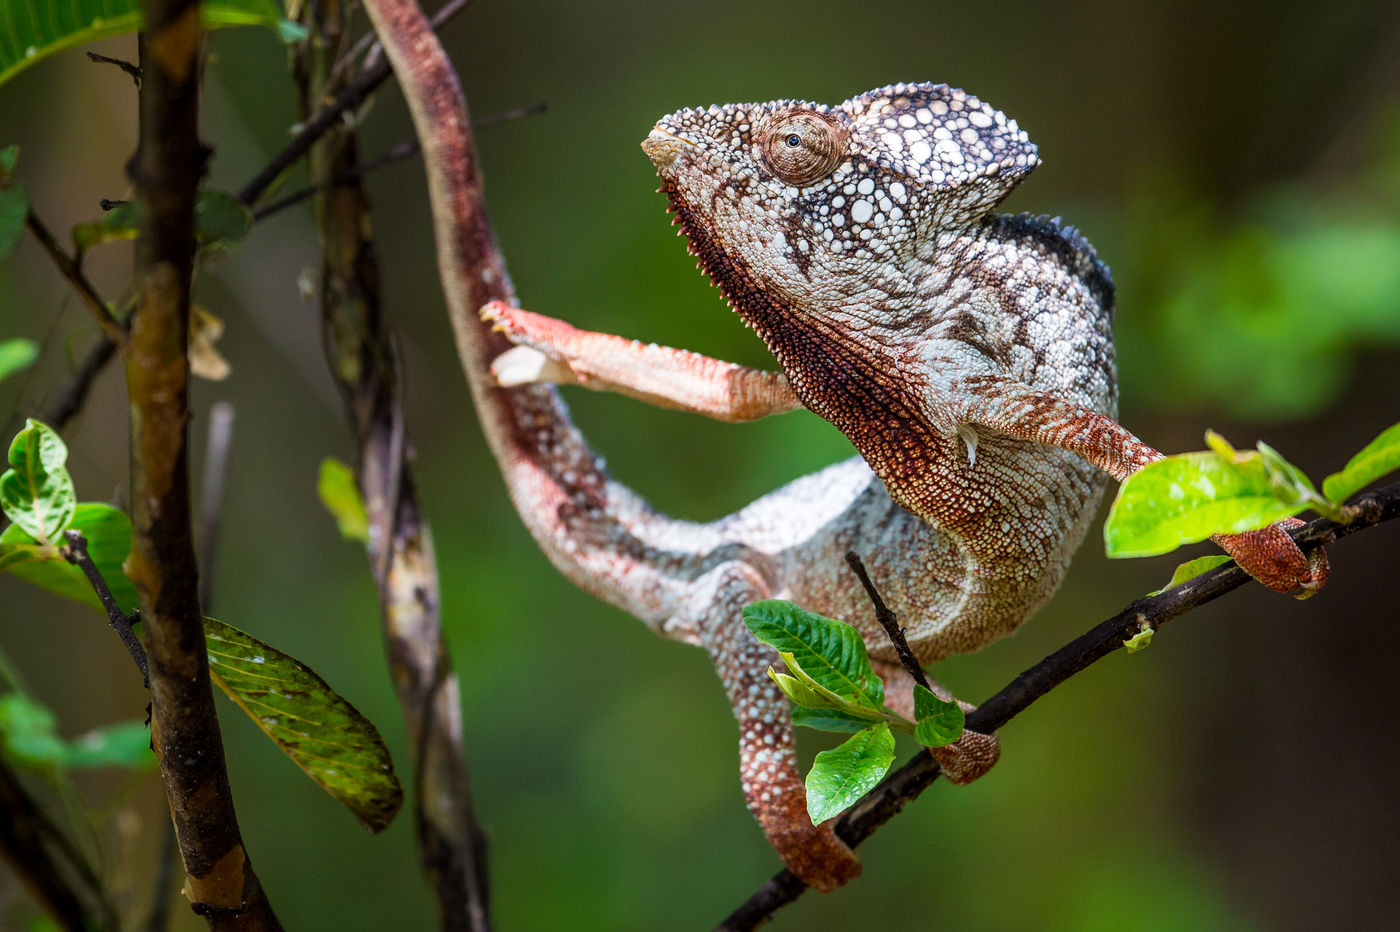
x=77, y=554
x=68, y=266
x=70, y=398
x=166, y=170
x=121, y=63
x=314, y=128
x=888, y=621
x=369, y=42
x=216, y=451
x=910, y=780
x=398, y=153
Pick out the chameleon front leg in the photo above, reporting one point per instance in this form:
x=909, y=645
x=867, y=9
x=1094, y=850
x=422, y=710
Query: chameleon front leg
x=549, y=350
x=1014, y=409
x=773, y=788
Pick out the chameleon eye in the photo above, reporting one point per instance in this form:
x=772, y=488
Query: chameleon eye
x=802, y=147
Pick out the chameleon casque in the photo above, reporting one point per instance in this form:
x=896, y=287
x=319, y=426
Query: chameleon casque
x=967, y=356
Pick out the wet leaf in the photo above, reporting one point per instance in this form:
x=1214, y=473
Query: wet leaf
x=323, y=734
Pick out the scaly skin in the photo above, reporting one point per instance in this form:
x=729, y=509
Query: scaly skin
x=689, y=581
x=967, y=355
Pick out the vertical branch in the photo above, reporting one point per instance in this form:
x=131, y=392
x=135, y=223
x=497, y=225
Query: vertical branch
x=450, y=844
x=184, y=728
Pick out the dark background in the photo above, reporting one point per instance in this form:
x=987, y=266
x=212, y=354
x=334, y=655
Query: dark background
x=1238, y=165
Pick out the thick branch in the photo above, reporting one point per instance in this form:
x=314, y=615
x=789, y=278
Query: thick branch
x=166, y=170
x=910, y=780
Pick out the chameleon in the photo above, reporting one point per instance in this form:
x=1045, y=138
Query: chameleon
x=967, y=355
x=686, y=580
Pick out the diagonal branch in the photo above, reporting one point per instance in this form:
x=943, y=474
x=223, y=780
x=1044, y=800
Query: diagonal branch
x=909, y=781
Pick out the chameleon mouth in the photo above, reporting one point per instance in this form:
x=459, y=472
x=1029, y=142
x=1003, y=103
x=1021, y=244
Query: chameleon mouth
x=664, y=150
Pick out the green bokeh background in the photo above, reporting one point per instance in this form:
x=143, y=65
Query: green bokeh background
x=1238, y=165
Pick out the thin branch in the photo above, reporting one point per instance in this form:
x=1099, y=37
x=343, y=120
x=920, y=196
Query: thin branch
x=70, y=398
x=121, y=63
x=909, y=781
x=68, y=266
x=889, y=621
x=319, y=123
x=396, y=154
x=166, y=171
x=76, y=553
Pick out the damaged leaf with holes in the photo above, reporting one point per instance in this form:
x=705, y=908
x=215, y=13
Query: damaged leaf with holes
x=321, y=732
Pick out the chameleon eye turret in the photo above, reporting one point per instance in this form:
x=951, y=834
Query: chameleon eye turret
x=802, y=146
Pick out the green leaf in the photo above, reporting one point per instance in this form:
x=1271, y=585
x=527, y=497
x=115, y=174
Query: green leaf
x=1142, y=640
x=33, y=32
x=16, y=355
x=37, y=492
x=839, y=720
x=1377, y=458
x=937, y=722
x=829, y=651
x=848, y=771
x=119, y=223
x=799, y=692
x=9, y=158
x=13, y=554
x=1191, y=569
x=341, y=496
x=31, y=737
x=221, y=219
x=1187, y=498
x=14, y=208
x=324, y=735
x=108, y=534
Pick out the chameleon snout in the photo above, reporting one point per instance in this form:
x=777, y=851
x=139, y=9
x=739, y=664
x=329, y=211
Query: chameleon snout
x=664, y=149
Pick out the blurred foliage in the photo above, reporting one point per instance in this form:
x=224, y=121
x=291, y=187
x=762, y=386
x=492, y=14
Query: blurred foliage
x=1221, y=156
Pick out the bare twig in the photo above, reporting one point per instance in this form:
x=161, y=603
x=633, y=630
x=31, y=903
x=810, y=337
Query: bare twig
x=121, y=63
x=396, y=154
x=888, y=621
x=910, y=780
x=68, y=266
x=319, y=123
x=77, y=554
x=166, y=170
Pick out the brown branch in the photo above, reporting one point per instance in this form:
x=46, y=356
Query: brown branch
x=165, y=172
x=319, y=123
x=68, y=266
x=451, y=846
x=889, y=621
x=70, y=398
x=909, y=781
x=76, y=553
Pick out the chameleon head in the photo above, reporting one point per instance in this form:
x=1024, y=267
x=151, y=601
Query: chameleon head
x=823, y=203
